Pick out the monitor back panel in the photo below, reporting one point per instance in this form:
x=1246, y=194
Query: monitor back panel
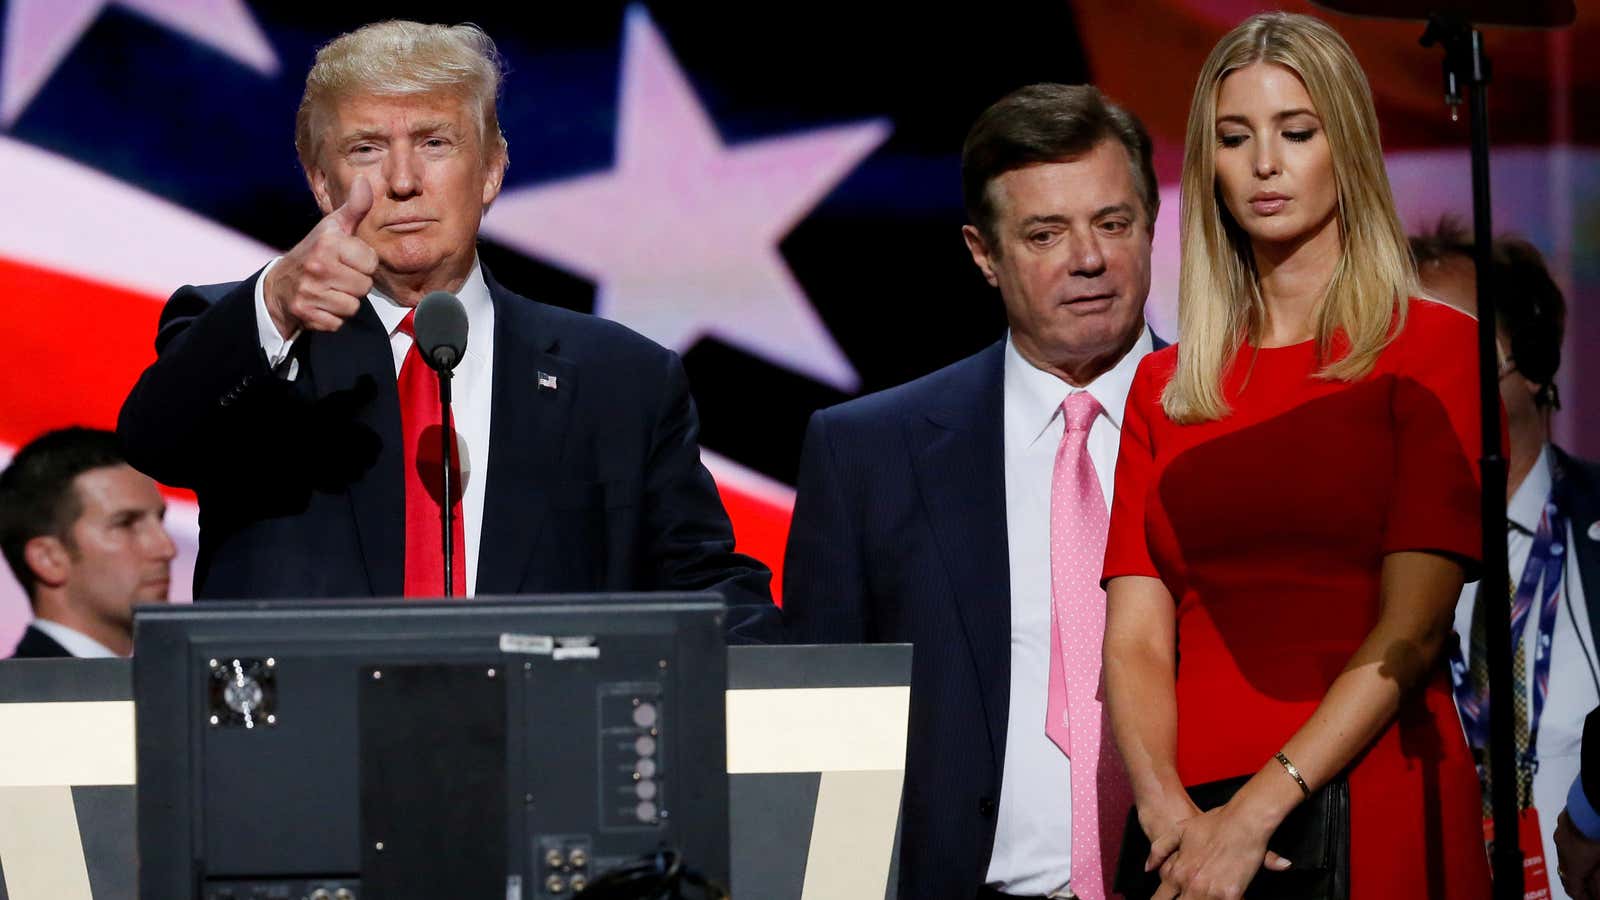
x=506, y=749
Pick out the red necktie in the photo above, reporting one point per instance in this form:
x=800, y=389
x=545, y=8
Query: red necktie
x=419, y=434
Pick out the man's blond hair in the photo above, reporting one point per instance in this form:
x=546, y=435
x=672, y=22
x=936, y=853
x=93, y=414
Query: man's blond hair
x=398, y=59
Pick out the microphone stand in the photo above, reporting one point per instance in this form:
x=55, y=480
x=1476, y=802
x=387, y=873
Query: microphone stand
x=1464, y=62
x=447, y=502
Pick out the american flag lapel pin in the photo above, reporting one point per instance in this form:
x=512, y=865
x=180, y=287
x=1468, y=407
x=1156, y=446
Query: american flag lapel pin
x=547, y=382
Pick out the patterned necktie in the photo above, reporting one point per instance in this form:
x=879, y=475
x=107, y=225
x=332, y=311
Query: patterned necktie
x=1075, y=718
x=419, y=433
x=1478, y=672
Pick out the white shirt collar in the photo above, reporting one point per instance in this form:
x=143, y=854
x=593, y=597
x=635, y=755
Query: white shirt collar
x=74, y=641
x=1527, y=504
x=474, y=296
x=1033, y=396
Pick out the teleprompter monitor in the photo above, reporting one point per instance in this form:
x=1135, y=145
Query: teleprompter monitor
x=364, y=750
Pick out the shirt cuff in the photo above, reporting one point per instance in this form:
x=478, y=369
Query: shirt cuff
x=1582, y=812
x=273, y=344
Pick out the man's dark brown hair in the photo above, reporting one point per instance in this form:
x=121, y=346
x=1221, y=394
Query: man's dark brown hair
x=1530, y=311
x=1047, y=123
x=37, y=496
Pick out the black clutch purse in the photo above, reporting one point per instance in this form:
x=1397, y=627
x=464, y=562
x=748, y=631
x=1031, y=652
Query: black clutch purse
x=1315, y=838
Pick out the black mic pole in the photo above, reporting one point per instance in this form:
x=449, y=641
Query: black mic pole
x=447, y=503
x=1465, y=63
x=441, y=333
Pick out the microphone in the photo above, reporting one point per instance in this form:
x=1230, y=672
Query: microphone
x=441, y=330
x=440, y=327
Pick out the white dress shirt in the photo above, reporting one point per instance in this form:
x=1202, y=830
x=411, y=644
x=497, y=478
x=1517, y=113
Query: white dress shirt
x=472, y=388
x=1033, y=834
x=1573, y=691
x=74, y=641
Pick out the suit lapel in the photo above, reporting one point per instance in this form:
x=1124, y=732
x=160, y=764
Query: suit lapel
x=1579, y=498
x=530, y=410
x=35, y=644
x=959, y=455
x=357, y=358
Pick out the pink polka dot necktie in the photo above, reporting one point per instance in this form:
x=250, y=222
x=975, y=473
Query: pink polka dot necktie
x=1075, y=717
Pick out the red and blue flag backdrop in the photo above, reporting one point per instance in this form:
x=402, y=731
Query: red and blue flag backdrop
x=770, y=189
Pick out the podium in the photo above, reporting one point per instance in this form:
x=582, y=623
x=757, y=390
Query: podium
x=815, y=759
x=66, y=780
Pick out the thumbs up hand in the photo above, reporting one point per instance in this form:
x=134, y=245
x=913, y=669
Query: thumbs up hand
x=321, y=283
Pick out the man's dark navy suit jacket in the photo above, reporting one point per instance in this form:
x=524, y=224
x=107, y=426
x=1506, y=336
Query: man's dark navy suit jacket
x=595, y=485
x=899, y=536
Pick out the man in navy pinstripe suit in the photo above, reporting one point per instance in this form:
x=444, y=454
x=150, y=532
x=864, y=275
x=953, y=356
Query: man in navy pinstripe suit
x=923, y=512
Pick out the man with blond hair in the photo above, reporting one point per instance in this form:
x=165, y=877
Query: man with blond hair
x=297, y=406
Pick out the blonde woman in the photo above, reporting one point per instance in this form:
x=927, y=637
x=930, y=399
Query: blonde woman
x=1296, y=504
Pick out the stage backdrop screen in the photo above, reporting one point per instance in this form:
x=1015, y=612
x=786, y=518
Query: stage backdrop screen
x=772, y=190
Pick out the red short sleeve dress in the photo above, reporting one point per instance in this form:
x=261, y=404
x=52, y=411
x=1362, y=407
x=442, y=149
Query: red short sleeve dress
x=1269, y=527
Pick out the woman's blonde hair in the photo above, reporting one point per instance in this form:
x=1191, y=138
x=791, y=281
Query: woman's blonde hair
x=399, y=58
x=1219, y=298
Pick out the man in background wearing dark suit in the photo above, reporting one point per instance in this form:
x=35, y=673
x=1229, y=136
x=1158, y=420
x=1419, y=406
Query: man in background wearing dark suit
x=82, y=532
x=927, y=513
x=1552, y=528
x=297, y=404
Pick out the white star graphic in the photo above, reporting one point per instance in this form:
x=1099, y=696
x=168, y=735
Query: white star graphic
x=682, y=236
x=40, y=34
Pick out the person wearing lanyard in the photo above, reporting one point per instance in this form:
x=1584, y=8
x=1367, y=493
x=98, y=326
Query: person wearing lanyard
x=1552, y=538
